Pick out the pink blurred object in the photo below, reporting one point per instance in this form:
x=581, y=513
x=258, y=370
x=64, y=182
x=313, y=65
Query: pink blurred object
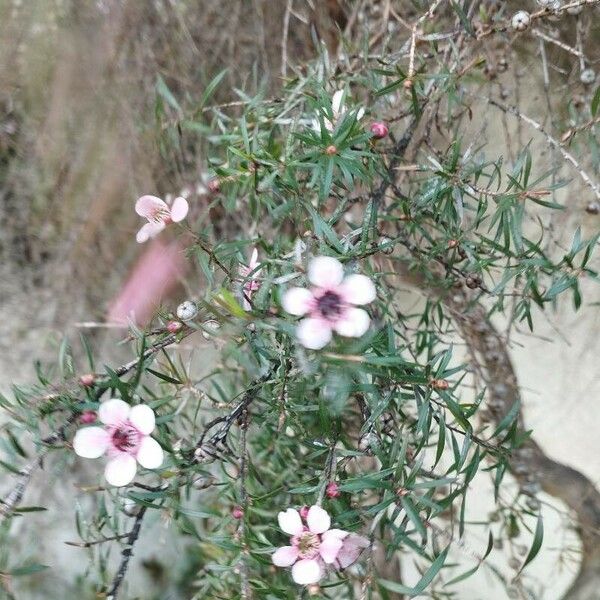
x=88, y=416
x=155, y=275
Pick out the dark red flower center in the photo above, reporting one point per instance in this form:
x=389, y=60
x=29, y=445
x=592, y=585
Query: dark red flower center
x=330, y=305
x=125, y=438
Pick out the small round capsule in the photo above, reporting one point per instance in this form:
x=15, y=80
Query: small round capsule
x=588, y=76
x=521, y=20
x=187, y=310
x=386, y=245
x=593, y=208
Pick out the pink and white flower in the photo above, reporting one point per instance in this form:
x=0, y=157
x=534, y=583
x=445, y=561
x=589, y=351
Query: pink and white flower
x=331, y=305
x=125, y=439
x=250, y=274
x=314, y=545
x=338, y=112
x=159, y=215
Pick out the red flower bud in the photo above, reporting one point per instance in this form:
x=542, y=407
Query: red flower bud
x=88, y=416
x=174, y=326
x=333, y=490
x=237, y=512
x=87, y=380
x=379, y=129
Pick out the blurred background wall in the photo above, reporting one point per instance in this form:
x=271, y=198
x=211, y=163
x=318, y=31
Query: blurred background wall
x=78, y=139
x=78, y=145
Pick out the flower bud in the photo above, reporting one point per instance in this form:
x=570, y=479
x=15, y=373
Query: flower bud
x=331, y=150
x=333, y=490
x=88, y=416
x=452, y=243
x=379, y=129
x=237, y=512
x=314, y=589
x=439, y=384
x=87, y=380
x=304, y=512
x=174, y=326
x=187, y=310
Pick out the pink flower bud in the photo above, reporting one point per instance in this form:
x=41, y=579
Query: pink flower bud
x=331, y=150
x=333, y=490
x=174, y=326
x=87, y=380
x=88, y=416
x=237, y=512
x=304, y=512
x=379, y=129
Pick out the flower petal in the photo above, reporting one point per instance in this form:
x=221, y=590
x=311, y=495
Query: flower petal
x=290, y=522
x=142, y=418
x=313, y=333
x=120, y=470
x=325, y=271
x=285, y=556
x=318, y=520
x=179, y=209
x=336, y=533
x=307, y=571
x=114, y=411
x=91, y=442
x=149, y=230
x=336, y=102
x=150, y=455
x=354, y=323
x=358, y=289
x=297, y=301
x=254, y=260
x=360, y=114
x=148, y=206
x=329, y=548
x=351, y=549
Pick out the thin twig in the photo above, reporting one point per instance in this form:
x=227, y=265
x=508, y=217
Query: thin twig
x=246, y=590
x=553, y=141
x=126, y=555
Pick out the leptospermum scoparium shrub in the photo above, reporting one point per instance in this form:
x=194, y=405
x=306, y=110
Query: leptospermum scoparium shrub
x=343, y=256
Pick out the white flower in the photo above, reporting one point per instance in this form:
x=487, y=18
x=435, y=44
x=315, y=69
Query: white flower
x=125, y=438
x=315, y=545
x=331, y=305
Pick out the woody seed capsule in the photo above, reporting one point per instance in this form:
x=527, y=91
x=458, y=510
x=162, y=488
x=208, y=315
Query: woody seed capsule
x=521, y=21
